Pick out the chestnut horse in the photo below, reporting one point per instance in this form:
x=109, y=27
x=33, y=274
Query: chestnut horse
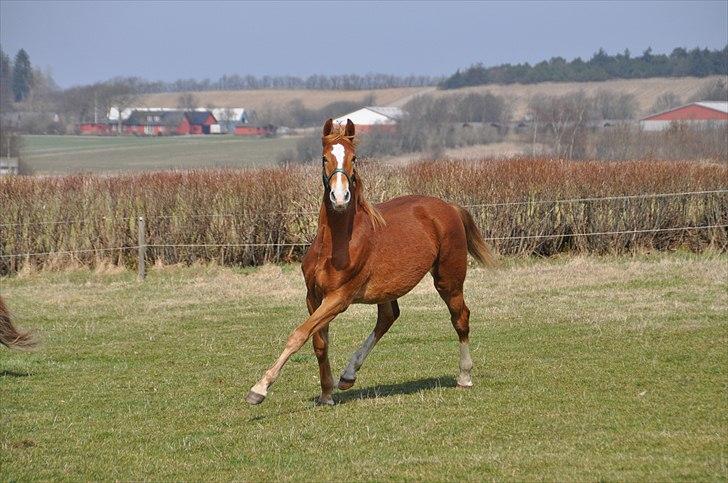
x=375, y=255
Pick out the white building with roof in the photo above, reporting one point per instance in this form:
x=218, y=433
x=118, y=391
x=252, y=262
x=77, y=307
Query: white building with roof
x=370, y=117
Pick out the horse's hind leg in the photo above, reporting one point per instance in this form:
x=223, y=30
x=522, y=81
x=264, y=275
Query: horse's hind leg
x=460, y=317
x=449, y=278
x=387, y=313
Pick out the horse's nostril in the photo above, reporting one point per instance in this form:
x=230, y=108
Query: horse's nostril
x=332, y=196
x=347, y=196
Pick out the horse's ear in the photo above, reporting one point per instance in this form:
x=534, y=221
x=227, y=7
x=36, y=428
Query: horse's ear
x=349, y=129
x=328, y=126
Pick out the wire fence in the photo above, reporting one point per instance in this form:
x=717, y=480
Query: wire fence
x=143, y=246
x=281, y=245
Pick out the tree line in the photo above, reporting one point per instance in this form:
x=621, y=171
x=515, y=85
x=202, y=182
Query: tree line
x=602, y=66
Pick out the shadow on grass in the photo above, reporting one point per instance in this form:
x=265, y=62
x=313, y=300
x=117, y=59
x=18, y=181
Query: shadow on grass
x=6, y=373
x=401, y=388
x=385, y=390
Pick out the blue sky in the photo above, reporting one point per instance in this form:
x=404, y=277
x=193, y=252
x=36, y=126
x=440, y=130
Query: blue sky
x=84, y=42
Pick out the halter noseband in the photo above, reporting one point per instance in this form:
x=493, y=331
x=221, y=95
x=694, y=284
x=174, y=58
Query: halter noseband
x=327, y=179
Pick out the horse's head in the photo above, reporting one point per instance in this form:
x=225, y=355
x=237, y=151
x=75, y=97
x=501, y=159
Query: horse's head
x=338, y=163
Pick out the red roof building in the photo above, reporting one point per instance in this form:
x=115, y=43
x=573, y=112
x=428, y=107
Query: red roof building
x=697, y=114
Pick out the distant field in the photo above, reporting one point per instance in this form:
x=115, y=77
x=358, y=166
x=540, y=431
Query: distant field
x=258, y=99
x=646, y=91
x=586, y=369
x=70, y=154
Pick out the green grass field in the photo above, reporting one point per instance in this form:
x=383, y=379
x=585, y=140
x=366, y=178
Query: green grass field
x=586, y=369
x=71, y=154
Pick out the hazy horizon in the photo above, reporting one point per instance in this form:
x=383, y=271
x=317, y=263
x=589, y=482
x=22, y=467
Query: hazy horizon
x=82, y=43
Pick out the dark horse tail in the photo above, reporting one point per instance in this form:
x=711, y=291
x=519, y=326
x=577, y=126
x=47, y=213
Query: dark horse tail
x=477, y=247
x=9, y=335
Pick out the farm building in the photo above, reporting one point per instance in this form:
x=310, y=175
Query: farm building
x=202, y=122
x=229, y=117
x=697, y=114
x=8, y=166
x=248, y=130
x=96, y=128
x=373, y=117
x=156, y=123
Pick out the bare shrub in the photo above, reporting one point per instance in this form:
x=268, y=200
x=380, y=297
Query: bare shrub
x=678, y=142
x=716, y=90
x=665, y=101
x=233, y=208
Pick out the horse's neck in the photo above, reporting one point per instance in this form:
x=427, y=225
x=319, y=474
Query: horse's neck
x=338, y=223
x=338, y=229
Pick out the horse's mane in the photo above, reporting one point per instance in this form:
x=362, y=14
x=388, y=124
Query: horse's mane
x=338, y=135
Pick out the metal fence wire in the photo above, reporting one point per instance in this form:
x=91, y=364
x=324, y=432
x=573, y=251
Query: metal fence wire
x=142, y=246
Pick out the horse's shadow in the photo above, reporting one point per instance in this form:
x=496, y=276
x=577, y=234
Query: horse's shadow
x=10, y=373
x=400, y=388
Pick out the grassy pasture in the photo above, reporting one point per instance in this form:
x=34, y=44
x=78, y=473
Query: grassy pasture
x=71, y=154
x=586, y=369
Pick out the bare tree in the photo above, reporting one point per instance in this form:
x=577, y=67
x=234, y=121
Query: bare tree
x=188, y=101
x=565, y=121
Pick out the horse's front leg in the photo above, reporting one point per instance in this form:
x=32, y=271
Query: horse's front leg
x=321, y=349
x=330, y=307
x=320, y=341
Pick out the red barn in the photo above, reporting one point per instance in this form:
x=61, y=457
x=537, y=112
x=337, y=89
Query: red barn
x=94, y=128
x=200, y=121
x=697, y=114
x=248, y=130
x=156, y=123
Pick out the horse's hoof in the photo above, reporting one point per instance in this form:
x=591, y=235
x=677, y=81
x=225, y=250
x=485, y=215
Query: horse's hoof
x=329, y=401
x=254, y=398
x=345, y=383
x=463, y=386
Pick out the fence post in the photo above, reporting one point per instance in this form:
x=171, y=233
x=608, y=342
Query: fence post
x=142, y=248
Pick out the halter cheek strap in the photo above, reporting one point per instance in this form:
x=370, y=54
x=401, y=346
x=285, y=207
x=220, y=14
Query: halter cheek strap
x=327, y=179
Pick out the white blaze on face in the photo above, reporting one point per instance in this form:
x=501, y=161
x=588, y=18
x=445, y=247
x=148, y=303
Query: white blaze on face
x=337, y=185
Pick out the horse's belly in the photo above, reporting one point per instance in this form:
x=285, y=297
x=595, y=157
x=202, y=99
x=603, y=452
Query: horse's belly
x=384, y=287
x=397, y=272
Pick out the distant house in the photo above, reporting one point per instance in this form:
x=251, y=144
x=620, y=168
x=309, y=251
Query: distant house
x=156, y=123
x=373, y=117
x=229, y=117
x=705, y=113
x=8, y=166
x=201, y=122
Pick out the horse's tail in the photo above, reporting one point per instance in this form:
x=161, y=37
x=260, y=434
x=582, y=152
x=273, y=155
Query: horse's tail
x=9, y=335
x=477, y=247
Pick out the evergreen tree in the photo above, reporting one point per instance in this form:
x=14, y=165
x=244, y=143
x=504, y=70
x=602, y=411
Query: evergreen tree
x=5, y=81
x=602, y=66
x=22, y=75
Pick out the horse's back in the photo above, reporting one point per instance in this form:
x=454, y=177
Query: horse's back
x=427, y=213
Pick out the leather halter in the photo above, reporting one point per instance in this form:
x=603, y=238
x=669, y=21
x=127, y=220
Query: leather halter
x=327, y=179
